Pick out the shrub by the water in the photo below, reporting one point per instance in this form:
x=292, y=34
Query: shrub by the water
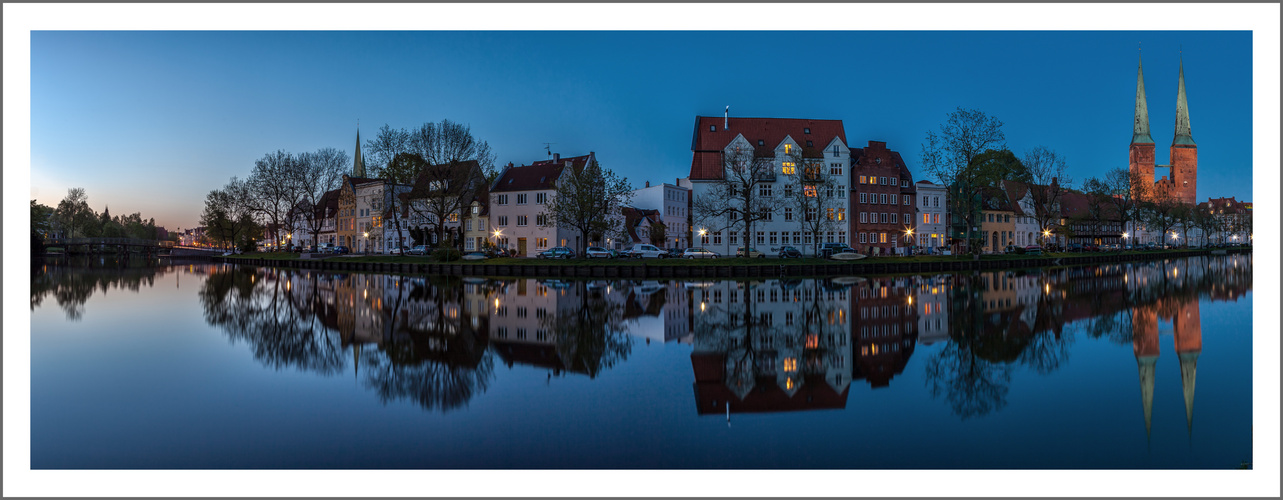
x=446, y=254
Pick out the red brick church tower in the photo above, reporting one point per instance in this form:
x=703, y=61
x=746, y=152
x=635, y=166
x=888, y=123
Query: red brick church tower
x=1184, y=153
x=1183, y=171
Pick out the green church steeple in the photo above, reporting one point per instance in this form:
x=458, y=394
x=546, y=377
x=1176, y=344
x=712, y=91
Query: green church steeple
x=1183, y=136
x=358, y=164
x=1140, y=133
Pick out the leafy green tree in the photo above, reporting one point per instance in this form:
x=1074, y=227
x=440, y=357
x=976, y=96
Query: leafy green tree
x=658, y=234
x=74, y=215
x=587, y=201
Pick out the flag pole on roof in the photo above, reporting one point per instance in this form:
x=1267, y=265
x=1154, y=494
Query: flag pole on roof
x=726, y=120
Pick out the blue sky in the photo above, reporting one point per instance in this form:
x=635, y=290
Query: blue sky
x=150, y=121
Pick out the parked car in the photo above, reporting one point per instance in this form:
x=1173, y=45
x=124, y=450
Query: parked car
x=1014, y=249
x=699, y=253
x=1091, y=248
x=474, y=256
x=419, y=250
x=342, y=250
x=1033, y=250
x=644, y=251
x=397, y=251
x=597, y=253
x=787, y=252
x=749, y=252
x=674, y=253
x=556, y=253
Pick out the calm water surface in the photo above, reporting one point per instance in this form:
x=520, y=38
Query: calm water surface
x=199, y=365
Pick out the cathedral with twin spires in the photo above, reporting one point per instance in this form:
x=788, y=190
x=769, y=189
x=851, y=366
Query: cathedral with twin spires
x=1183, y=181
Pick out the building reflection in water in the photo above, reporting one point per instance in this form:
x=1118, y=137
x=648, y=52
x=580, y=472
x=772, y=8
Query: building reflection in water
x=757, y=346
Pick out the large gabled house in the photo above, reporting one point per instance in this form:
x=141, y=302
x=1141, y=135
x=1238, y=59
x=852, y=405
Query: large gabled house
x=518, y=206
x=821, y=143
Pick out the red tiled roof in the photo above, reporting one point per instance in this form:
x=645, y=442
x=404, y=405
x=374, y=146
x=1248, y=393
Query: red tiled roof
x=1015, y=191
x=710, y=138
x=538, y=175
x=633, y=218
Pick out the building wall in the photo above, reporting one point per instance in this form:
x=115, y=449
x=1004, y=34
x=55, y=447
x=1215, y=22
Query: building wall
x=673, y=202
x=778, y=231
x=1000, y=222
x=1185, y=173
x=932, y=203
x=876, y=192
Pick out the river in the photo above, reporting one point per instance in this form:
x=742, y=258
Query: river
x=182, y=365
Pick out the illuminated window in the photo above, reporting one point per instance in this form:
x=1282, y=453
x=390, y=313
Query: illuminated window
x=788, y=148
x=864, y=180
x=810, y=191
x=841, y=214
x=789, y=168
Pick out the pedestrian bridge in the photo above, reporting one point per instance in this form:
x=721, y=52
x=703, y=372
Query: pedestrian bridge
x=120, y=244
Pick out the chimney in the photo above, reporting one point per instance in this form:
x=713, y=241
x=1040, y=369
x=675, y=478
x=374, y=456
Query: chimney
x=647, y=183
x=726, y=120
x=509, y=164
x=556, y=157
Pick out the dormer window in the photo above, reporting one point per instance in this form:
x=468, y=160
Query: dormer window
x=761, y=142
x=712, y=128
x=806, y=131
x=808, y=143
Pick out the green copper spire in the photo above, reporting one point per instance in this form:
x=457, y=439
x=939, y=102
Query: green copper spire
x=1182, y=113
x=1140, y=133
x=358, y=164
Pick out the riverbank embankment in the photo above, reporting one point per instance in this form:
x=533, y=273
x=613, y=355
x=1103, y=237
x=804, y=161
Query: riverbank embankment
x=716, y=268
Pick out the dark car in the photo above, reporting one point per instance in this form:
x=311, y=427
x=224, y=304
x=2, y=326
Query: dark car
x=675, y=253
x=787, y=252
x=1075, y=247
x=342, y=249
x=556, y=253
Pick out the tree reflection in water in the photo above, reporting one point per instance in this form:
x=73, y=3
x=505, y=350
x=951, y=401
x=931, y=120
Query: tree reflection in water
x=73, y=280
x=261, y=307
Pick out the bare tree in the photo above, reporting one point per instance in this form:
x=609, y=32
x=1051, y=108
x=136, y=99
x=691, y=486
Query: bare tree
x=1098, y=203
x=1047, y=184
x=738, y=199
x=274, y=190
x=319, y=173
x=1160, y=212
x=450, y=142
x=966, y=134
x=1125, y=189
x=587, y=200
x=442, y=191
x=811, y=192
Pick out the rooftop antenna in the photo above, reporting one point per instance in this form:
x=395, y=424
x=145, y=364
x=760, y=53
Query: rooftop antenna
x=547, y=146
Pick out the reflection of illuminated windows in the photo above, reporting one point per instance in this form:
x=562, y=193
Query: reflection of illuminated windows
x=812, y=341
x=790, y=365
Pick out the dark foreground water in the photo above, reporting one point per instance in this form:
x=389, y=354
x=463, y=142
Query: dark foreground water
x=1145, y=365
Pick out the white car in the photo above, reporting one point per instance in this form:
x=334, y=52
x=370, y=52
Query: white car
x=597, y=253
x=699, y=253
x=644, y=251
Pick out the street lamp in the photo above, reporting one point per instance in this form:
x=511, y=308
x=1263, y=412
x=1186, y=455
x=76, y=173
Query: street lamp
x=366, y=246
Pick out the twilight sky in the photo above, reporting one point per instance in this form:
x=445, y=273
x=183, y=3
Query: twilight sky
x=151, y=121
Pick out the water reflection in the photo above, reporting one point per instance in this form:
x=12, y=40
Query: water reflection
x=71, y=281
x=770, y=345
